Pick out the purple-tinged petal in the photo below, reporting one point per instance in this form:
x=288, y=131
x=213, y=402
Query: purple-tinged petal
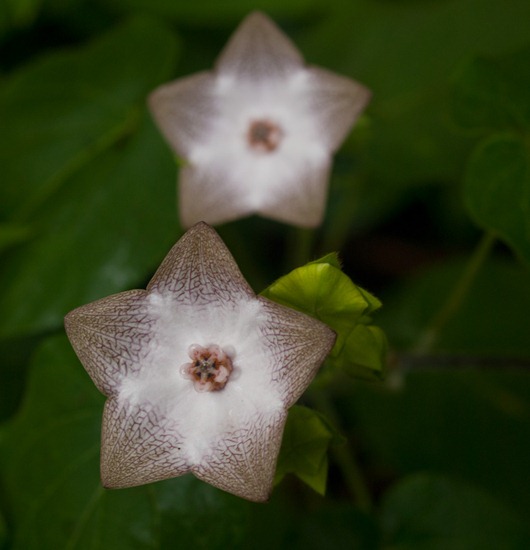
x=298, y=344
x=138, y=445
x=185, y=110
x=258, y=51
x=243, y=461
x=336, y=101
x=199, y=270
x=148, y=349
x=111, y=337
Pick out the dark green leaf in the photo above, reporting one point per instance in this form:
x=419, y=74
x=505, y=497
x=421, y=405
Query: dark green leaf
x=431, y=512
x=3, y=531
x=50, y=472
x=11, y=234
x=471, y=423
x=61, y=111
x=15, y=355
x=493, y=93
x=334, y=525
x=407, y=53
x=103, y=233
x=214, y=12
x=22, y=12
x=476, y=328
x=497, y=190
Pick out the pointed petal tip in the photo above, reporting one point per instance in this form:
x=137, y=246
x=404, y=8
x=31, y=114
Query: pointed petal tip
x=201, y=231
x=257, y=17
x=258, y=49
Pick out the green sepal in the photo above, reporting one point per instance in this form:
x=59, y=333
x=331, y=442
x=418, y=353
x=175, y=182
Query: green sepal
x=322, y=290
x=306, y=440
x=364, y=353
x=332, y=258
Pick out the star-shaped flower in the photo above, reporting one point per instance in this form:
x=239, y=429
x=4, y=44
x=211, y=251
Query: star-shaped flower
x=258, y=132
x=199, y=371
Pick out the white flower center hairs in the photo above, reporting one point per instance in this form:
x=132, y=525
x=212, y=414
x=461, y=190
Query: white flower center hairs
x=199, y=371
x=258, y=132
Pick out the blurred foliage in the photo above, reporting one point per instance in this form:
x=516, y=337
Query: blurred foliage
x=87, y=208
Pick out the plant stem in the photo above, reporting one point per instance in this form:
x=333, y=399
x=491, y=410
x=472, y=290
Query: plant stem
x=299, y=247
x=344, y=457
x=458, y=294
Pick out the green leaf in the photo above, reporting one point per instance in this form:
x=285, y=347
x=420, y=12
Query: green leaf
x=408, y=139
x=61, y=111
x=105, y=232
x=15, y=355
x=467, y=422
x=214, y=12
x=332, y=259
x=323, y=291
x=432, y=512
x=492, y=93
x=50, y=472
x=497, y=190
x=475, y=330
x=366, y=349
x=22, y=12
x=3, y=531
x=11, y=234
x=305, y=444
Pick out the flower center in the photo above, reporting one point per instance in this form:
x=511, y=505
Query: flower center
x=264, y=136
x=209, y=369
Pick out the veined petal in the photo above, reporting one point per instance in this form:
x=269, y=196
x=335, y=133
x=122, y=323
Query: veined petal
x=185, y=109
x=243, y=461
x=299, y=344
x=111, y=337
x=336, y=101
x=138, y=445
x=199, y=371
x=258, y=51
x=199, y=270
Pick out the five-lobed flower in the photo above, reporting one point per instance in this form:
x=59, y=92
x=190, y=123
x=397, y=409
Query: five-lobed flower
x=199, y=371
x=258, y=132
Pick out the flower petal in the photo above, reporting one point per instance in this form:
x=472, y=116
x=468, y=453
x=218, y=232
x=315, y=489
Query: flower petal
x=299, y=344
x=199, y=270
x=337, y=101
x=209, y=196
x=301, y=200
x=111, y=337
x=243, y=462
x=184, y=110
x=138, y=445
x=292, y=190
x=258, y=51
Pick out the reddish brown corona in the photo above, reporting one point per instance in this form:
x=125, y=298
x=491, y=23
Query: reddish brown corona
x=264, y=136
x=210, y=367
